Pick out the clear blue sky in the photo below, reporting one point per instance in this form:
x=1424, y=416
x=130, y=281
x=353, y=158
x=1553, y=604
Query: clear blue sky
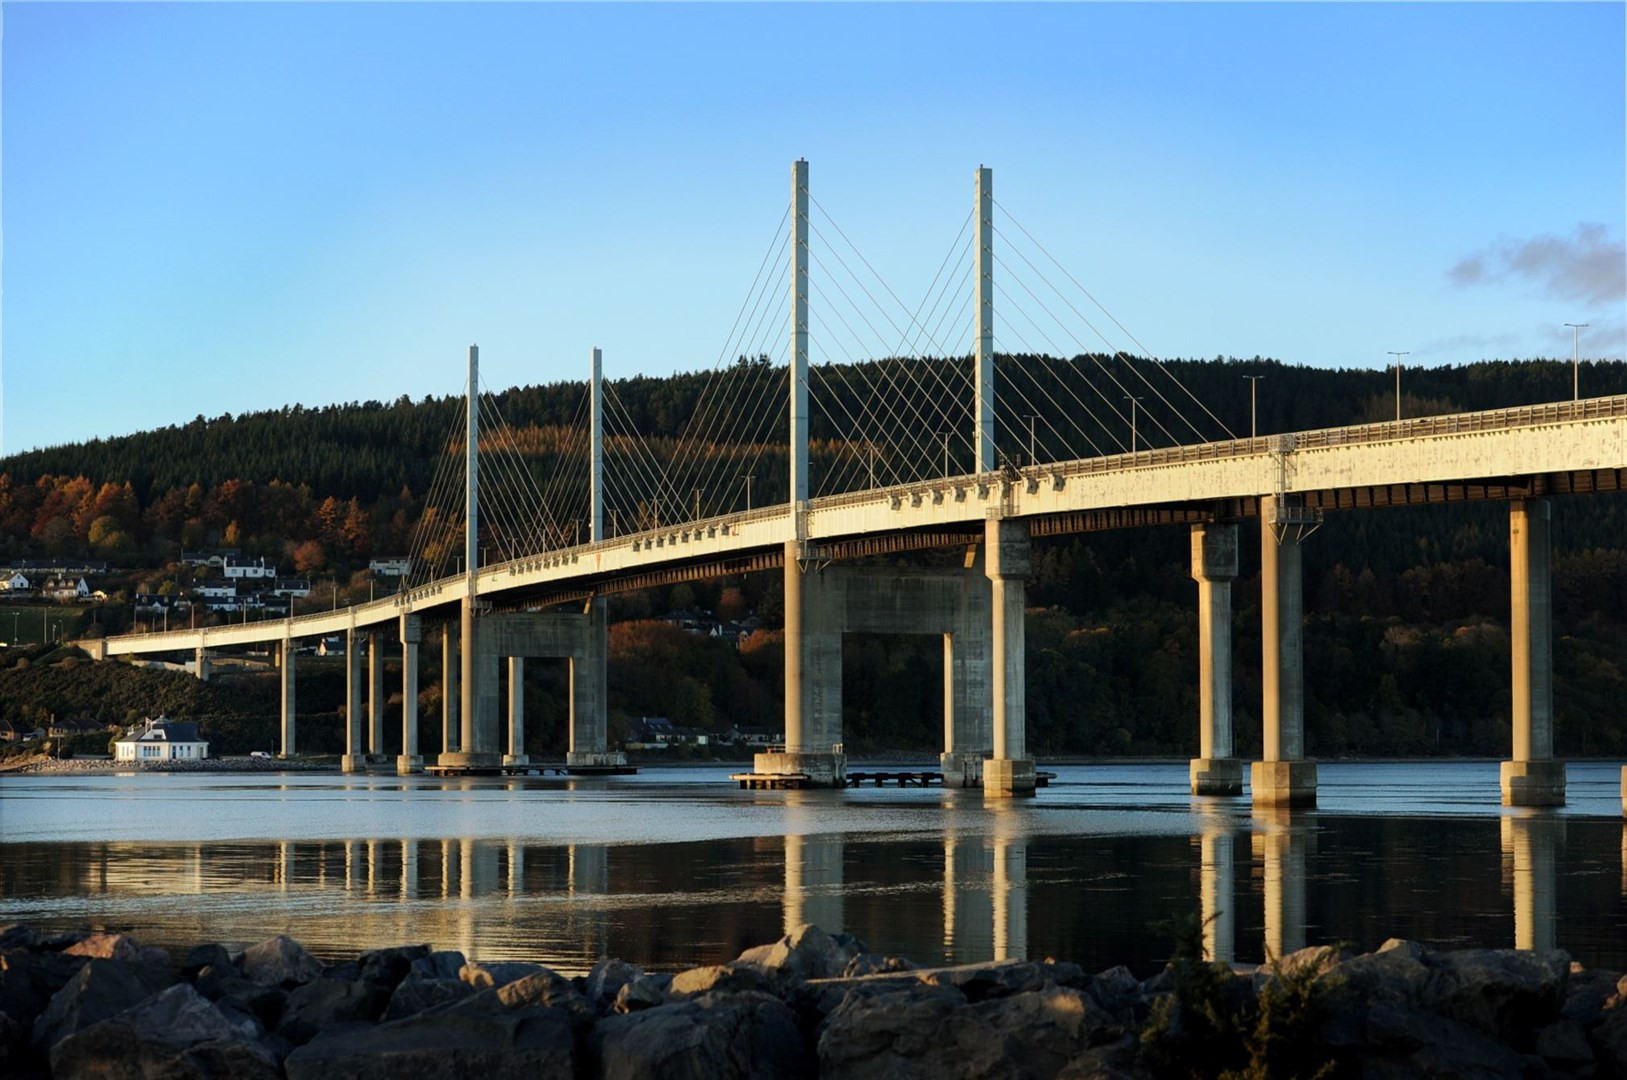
x=217, y=208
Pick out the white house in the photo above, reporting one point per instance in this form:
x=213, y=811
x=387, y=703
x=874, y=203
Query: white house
x=399, y=566
x=67, y=590
x=16, y=581
x=161, y=740
x=236, y=567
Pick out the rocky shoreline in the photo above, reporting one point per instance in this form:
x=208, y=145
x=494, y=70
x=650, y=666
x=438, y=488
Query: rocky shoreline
x=810, y=1004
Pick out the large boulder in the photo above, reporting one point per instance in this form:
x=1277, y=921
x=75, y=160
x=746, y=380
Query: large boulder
x=1004, y=978
x=174, y=1035
x=493, y=1043
x=713, y=1037
x=279, y=961
x=445, y=964
x=237, y=996
x=491, y=976
x=97, y=991
x=1499, y=991
x=416, y=995
x=28, y=981
x=644, y=992
x=321, y=1003
x=388, y=967
x=805, y=953
x=732, y=978
x=606, y=979
x=547, y=989
x=14, y=936
x=890, y=1029
x=116, y=947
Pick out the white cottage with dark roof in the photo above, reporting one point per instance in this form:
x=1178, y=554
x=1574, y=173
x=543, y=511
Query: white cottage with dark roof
x=162, y=740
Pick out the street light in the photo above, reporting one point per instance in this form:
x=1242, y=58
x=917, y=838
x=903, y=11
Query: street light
x=1253, y=408
x=747, y=478
x=1398, y=356
x=1132, y=399
x=1576, y=359
x=945, y=433
x=1032, y=459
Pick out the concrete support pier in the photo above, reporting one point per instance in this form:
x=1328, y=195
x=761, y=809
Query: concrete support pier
x=200, y=664
x=285, y=676
x=450, y=663
x=1214, y=564
x=1010, y=771
x=411, y=634
x=355, y=759
x=375, y=695
x=477, y=713
x=590, y=695
x=516, y=713
x=1284, y=777
x=1532, y=777
x=813, y=682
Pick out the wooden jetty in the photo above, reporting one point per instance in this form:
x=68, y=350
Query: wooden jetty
x=750, y=781
x=902, y=779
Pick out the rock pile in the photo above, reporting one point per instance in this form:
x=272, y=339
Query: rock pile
x=810, y=1004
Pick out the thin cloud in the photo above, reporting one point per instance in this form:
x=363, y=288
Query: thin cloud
x=1588, y=265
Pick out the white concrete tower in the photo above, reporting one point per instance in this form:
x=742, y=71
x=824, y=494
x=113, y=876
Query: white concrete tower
x=471, y=552
x=799, y=335
x=596, y=449
x=984, y=345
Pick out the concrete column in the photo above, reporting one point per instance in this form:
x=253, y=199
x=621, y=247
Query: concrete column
x=410, y=760
x=590, y=696
x=375, y=693
x=798, y=406
x=285, y=676
x=1214, y=564
x=1532, y=777
x=1284, y=778
x=1010, y=771
x=516, y=713
x=355, y=760
x=813, y=680
x=968, y=675
x=451, y=664
x=1529, y=845
x=983, y=333
x=200, y=664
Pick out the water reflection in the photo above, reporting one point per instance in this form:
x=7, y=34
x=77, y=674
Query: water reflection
x=1281, y=841
x=1010, y=884
x=1217, y=885
x=1530, y=839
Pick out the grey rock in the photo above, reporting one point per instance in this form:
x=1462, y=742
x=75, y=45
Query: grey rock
x=321, y=1003
x=1118, y=1061
x=234, y=994
x=547, y=989
x=712, y=1037
x=1000, y=979
x=28, y=981
x=279, y=961
x=1587, y=993
x=175, y=1034
x=805, y=953
x=1409, y=1042
x=97, y=991
x=389, y=966
x=607, y=978
x=202, y=956
x=414, y=996
x=1564, y=1045
x=875, y=964
x=1609, y=1040
x=1495, y=990
x=644, y=992
x=734, y=977
x=1118, y=992
x=924, y=1029
x=116, y=947
x=18, y=936
x=490, y=976
x=438, y=965
x=493, y=1045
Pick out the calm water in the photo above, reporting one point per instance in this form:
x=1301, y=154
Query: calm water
x=676, y=867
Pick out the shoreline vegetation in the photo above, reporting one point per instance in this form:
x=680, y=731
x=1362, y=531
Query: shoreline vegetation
x=98, y=1003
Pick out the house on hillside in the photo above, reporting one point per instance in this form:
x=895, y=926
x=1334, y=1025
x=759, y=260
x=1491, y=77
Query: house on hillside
x=238, y=568
x=13, y=731
x=394, y=566
x=67, y=590
x=71, y=726
x=753, y=735
x=291, y=587
x=16, y=583
x=161, y=740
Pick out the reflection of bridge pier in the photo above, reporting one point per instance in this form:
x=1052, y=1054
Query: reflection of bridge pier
x=589, y=884
x=1281, y=841
x=1529, y=846
x=813, y=881
x=968, y=899
x=1008, y=887
x=1217, y=887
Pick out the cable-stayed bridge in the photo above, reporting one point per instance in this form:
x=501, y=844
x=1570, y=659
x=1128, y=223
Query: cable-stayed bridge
x=947, y=442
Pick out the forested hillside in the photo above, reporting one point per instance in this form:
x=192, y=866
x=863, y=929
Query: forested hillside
x=1406, y=636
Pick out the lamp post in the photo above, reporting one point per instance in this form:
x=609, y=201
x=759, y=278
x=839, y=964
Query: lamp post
x=1032, y=458
x=747, y=478
x=1398, y=356
x=945, y=434
x=1576, y=359
x=1253, y=406
x=1132, y=399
